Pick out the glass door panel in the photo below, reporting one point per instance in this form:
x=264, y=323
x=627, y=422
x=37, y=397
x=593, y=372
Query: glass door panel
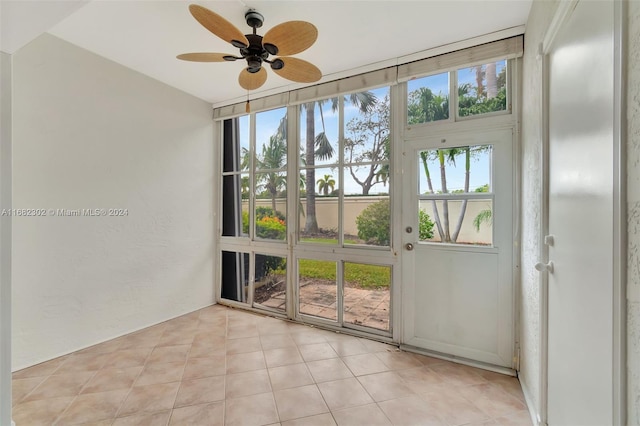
x=270, y=282
x=367, y=295
x=235, y=276
x=455, y=195
x=318, y=289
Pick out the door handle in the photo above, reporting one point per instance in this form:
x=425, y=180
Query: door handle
x=541, y=267
x=409, y=246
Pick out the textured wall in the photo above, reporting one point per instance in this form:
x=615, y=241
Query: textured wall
x=5, y=239
x=633, y=194
x=539, y=19
x=88, y=134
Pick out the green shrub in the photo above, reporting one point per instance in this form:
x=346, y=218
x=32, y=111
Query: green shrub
x=425, y=231
x=271, y=227
x=374, y=223
x=265, y=265
x=262, y=212
x=268, y=225
x=245, y=223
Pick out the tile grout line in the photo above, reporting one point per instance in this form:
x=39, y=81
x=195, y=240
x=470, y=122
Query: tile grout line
x=144, y=364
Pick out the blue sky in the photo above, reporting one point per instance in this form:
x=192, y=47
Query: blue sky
x=267, y=124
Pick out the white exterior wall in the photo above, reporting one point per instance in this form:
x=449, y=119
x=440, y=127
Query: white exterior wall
x=327, y=215
x=633, y=199
x=540, y=17
x=90, y=134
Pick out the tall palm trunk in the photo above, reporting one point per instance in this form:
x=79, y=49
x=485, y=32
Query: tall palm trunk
x=479, y=79
x=436, y=215
x=273, y=202
x=445, y=204
x=311, y=223
x=492, y=80
x=463, y=208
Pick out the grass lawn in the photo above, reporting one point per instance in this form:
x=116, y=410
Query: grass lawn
x=364, y=276
x=319, y=240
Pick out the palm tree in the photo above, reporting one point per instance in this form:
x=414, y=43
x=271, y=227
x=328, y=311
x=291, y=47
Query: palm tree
x=273, y=158
x=326, y=184
x=245, y=186
x=492, y=80
x=425, y=107
x=445, y=157
x=318, y=146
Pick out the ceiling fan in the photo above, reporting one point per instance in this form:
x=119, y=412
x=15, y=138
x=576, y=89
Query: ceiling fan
x=284, y=40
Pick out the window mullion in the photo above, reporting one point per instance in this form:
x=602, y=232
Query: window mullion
x=252, y=176
x=453, y=96
x=341, y=171
x=293, y=200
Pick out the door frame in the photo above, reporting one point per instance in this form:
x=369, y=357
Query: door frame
x=619, y=399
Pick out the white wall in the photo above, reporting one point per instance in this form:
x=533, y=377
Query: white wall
x=540, y=17
x=633, y=199
x=5, y=239
x=89, y=134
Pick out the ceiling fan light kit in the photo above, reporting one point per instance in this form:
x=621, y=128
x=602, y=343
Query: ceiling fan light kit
x=285, y=39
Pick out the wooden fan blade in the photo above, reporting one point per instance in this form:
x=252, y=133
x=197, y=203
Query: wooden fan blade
x=203, y=57
x=299, y=70
x=291, y=37
x=251, y=81
x=217, y=25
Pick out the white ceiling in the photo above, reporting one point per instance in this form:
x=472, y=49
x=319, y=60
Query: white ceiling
x=147, y=35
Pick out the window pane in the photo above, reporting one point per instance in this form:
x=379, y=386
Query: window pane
x=367, y=220
x=243, y=128
x=428, y=99
x=270, y=281
x=235, y=276
x=271, y=140
x=325, y=215
x=367, y=127
x=233, y=208
x=482, y=89
x=455, y=162
x=367, y=295
x=235, y=144
x=470, y=221
x=318, y=288
x=319, y=132
x=271, y=206
x=366, y=205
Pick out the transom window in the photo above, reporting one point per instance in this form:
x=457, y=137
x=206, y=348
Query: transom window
x=478, y=90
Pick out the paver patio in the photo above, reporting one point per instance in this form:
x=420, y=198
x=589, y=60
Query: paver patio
x=366, y=307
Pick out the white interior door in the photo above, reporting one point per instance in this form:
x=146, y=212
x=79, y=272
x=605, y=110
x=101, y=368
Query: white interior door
x=581, y=218
x=458, y=294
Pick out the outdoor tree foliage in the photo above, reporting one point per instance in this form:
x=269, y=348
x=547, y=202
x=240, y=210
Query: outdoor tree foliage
x=273, y=158
x=368, y=142
x=318, y=146
x=374, y=223
x=326, y=185
x=444, y=157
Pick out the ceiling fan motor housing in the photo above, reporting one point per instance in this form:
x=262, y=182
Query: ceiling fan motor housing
x=254, y=19
x=254, y=53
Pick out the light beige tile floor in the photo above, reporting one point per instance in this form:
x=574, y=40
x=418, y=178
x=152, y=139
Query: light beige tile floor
x=224, y=366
